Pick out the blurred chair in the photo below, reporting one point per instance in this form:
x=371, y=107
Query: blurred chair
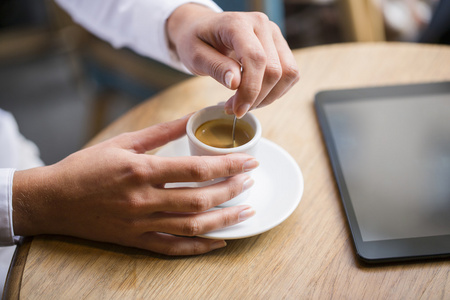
x=438, y=30
x=362, y=20
x=24, y=29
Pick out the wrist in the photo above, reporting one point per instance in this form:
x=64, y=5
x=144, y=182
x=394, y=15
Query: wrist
x=31, y=197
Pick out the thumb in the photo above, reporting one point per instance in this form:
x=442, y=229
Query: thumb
x=154, y=136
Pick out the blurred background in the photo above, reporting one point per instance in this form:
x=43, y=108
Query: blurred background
x=64, y=85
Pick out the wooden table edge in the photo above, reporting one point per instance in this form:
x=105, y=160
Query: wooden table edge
x=13, y=281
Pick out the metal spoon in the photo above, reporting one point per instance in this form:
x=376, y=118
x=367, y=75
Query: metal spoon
x=233, y=131
x=234, y=121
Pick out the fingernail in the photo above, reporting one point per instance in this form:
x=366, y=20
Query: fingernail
x=246, y=214
x=250, y=165
x=218, y=244
x=228, y=78
x=247, y=184
x=242, y=110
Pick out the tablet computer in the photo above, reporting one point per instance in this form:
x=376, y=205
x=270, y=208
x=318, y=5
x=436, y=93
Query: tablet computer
x=390, y=152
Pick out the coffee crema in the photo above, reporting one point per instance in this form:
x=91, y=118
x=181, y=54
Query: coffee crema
x=218, y=133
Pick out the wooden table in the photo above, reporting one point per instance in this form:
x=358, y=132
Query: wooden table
x=310, y=255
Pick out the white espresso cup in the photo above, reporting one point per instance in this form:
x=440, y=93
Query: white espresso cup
x=198, y=148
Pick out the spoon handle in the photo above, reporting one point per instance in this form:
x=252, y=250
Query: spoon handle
x=233, y=131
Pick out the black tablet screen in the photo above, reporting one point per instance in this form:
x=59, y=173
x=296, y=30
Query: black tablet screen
x=394, y=154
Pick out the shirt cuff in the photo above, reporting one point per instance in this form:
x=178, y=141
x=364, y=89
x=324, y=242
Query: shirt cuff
x=7, y=237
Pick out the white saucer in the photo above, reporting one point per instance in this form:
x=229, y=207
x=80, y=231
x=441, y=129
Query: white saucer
x=275, y=195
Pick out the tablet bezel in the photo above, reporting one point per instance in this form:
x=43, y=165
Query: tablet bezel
x=383, y=250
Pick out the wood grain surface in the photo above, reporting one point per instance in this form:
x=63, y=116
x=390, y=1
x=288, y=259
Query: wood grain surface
x=309, y=256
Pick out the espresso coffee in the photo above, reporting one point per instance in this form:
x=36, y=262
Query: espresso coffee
x=218, y=133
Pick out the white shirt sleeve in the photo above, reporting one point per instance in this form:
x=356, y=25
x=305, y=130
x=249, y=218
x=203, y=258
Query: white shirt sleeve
x=16, y=152
x=6, y=229
x=137, y=24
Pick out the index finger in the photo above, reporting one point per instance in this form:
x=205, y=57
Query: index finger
x=198, y=168
x=251, y=54
x=154, y=136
